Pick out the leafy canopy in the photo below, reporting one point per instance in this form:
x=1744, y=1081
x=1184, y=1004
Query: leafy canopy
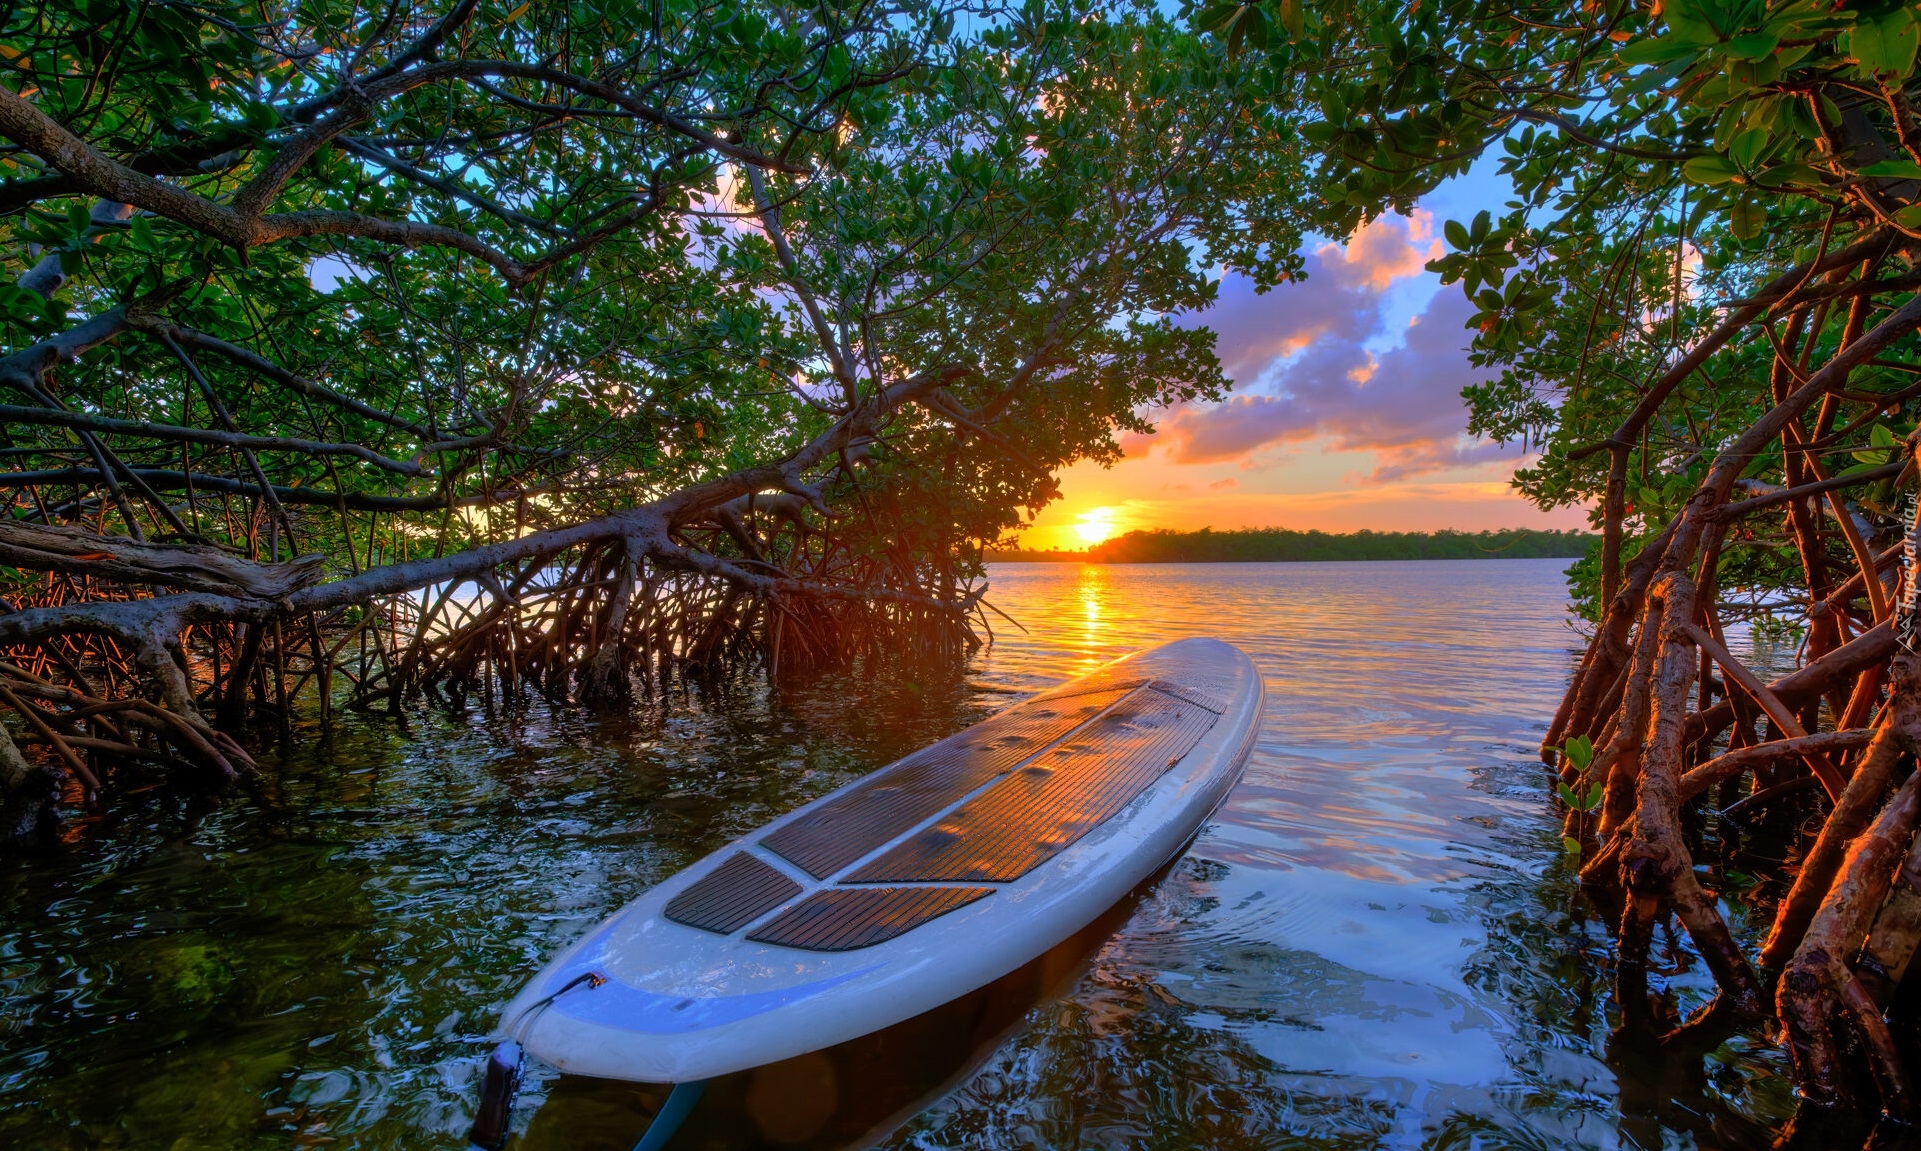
x=565, y=258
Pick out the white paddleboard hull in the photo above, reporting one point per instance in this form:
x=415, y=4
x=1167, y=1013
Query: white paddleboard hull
x=646, y=998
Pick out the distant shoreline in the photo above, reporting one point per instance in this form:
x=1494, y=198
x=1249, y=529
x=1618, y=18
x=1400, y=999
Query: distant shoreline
x=1279, y=545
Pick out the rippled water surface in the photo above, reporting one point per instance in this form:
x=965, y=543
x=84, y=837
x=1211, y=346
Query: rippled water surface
x=1376, y=943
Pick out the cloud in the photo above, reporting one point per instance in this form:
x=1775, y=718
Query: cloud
x=1134, y=445
x=1255, y=331
x=1389, y=249
x=1309, y=364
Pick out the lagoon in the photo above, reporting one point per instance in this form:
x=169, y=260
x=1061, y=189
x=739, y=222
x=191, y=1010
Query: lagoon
x=1375, y=944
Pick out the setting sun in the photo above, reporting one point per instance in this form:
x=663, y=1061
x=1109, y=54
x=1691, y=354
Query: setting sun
x=1096, y=525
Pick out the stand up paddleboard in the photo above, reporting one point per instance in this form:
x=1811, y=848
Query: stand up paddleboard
x=901, y=891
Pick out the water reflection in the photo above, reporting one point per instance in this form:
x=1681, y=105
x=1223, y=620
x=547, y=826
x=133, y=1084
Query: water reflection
x=1091, y=581
x=1374, y=945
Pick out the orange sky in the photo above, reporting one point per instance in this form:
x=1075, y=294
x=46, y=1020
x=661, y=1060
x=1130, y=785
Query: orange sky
x=1346, y=414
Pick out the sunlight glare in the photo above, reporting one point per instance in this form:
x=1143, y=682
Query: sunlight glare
x=1096, y=525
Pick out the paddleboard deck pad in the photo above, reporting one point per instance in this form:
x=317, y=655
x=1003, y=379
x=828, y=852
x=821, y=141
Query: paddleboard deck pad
x=909, y=887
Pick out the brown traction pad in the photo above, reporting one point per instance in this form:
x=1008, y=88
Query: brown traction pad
x=896, y=798
x=1033, y=814
x=732, y=895
x=845, y=919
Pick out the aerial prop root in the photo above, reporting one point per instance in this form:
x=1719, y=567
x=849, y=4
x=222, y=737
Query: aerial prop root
x=574, y=622
x=570, y=612
x=1662, y=723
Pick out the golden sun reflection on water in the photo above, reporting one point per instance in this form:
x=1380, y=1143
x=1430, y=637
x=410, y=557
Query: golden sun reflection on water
x=1095, y=594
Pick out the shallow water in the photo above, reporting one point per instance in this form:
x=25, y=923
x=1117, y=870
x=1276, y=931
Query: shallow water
x=1377, y=942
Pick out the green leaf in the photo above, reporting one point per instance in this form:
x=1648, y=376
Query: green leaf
x=1886, y=45
x=1748, y=146
x=1570, y=845
x=1292, y=19
x=1710, y=170
x=1215, y=17
x=1246, y=27
x=1746, y=218
x=1456, y=234
x=1753, y=45
x=1789, y=175
x=1906, y=169
x=1900, y=41
x=1663, y=50
x=1579, y=752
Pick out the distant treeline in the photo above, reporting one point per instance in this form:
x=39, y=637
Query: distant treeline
x=1163, y=546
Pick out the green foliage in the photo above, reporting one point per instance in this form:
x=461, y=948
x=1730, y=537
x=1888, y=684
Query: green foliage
x=1579, y=753
x=588, y=312
x=1771, y=628
x=1586, y=800
x=620, y=363
x=1087, y=192
x=1581, y=795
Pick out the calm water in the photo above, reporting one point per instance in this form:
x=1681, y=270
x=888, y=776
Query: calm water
x=1376, y=944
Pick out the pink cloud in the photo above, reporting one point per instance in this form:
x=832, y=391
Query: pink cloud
x=1254, y=331
x=1388, y=249
x=1301, y=360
